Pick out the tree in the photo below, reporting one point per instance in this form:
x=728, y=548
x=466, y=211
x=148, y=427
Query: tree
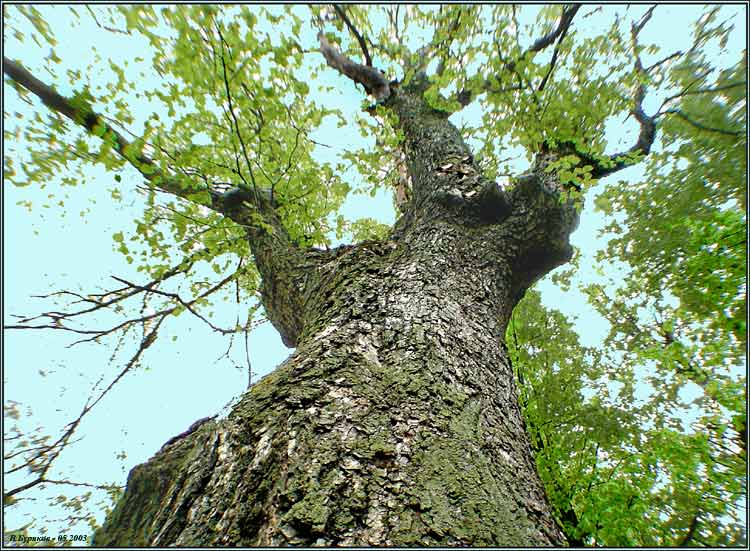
x=397, y=419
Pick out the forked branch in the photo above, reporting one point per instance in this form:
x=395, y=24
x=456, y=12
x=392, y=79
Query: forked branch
x=647, y=132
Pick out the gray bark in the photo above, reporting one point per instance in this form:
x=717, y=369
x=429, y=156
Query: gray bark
x=396, y=420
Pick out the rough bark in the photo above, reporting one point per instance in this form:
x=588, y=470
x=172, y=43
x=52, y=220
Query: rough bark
x=396, y=420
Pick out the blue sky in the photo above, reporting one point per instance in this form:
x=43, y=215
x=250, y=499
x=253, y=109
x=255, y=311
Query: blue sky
x=52, y=247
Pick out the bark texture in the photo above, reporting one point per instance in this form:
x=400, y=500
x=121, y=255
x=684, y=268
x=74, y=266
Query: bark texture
x=396, y=419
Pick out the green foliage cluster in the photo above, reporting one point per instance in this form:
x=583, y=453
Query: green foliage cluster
x=612, y=443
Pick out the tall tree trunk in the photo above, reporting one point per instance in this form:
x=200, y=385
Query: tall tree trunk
x=396, y=420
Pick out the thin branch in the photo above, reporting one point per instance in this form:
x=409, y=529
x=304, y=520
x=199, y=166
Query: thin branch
x=393, y=19
x=464, y=97
x=59, y=317
x=565, y=20
x=342, y=14
x=247, y=358
x=647, y=133
x=638, y=27
x=149, y=317
x=8, y=457
x=701, y=126
x=176, y=297
x=231, y=111
x=120, y=294
x=84, y=484
x=710, y=90
x=715, y=88
x=71, y=427
x=444, y=45
x=93, y=15
x=663, y=61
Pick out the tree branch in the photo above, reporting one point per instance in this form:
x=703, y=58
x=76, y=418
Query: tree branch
x=562, y=27
x=231, y=112
x=84, y=484
x=342, y=14
x=111, y=29
x=444, y=45
x=557, y=47
x=107, y=299
x=464, y=97
x=701, y=126
x=647, y=132
x=48, y=456
x=83, y=114
x=372, y=79
x=664, y=60
x=691, y=531
x=687, y=92
x=188, y=305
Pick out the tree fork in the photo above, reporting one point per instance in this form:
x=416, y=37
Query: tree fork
x=285, y=268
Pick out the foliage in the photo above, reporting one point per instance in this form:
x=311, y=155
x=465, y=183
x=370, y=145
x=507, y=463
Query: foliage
x=236, y=105
x=677, y=328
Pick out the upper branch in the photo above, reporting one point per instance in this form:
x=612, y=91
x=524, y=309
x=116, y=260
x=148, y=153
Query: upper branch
x=565, y=21
x=647, y=132
x=372, y=79
x=701, y=126
x=443, y=46
x=82, y=114
x=464, y=97
x=342, y=14
x=562, y=27
x=231, y=110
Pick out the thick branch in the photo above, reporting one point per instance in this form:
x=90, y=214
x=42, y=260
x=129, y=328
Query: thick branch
x=372, y=79
x=642, y=146
x=565, y=22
